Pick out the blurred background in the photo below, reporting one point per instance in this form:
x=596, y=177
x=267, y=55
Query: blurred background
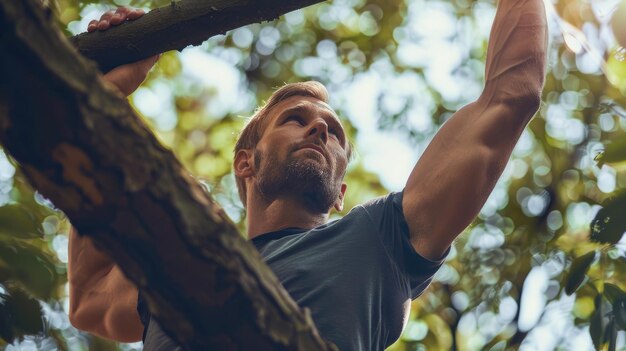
x=541, y=268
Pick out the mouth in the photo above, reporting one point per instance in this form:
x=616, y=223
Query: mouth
x=314, y=148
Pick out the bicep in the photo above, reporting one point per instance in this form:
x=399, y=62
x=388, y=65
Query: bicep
x=107, y=308
x=85, y=261
x=102, y=300
x=457, y=172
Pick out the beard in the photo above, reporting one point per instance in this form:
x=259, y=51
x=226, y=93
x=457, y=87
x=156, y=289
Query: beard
x=315, y=184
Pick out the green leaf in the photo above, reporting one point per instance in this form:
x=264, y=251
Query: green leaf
x=27, y=314
x=619, y=310
x=616, y=71
x=613, y=336
x=170, y=64
x=609, y=224
x=597, y=326
x=576, y=275
x=614, y=152
x=612, y=292
x=28, y=266
x=16, y=221
x=499, y=346
x=6, y=327
x=19, y=315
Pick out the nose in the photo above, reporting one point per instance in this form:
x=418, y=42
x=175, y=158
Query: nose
x=319, y=129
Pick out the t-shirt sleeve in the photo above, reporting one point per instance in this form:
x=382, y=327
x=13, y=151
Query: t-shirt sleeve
x=386, y=213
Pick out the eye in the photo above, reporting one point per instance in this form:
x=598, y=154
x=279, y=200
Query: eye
x=333, y=131
x=295, y=118
x=336, y=131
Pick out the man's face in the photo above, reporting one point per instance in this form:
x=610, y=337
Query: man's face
x=303, y=153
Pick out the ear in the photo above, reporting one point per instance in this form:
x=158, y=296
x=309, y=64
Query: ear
x=339, y=203
x=244, y=163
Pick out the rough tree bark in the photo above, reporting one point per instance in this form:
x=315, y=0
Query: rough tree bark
x=174, y=27
x=81, y=145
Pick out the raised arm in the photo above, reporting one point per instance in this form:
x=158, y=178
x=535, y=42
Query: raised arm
x=457, y=172
x=102, y=300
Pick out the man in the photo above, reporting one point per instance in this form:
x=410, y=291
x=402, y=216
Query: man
x=358, y=274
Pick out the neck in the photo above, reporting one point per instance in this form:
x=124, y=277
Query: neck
x=265, y=216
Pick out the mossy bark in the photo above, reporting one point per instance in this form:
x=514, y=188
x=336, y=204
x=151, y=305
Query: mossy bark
x=81, y=145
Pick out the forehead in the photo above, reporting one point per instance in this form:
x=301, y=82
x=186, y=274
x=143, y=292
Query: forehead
x=301, y=104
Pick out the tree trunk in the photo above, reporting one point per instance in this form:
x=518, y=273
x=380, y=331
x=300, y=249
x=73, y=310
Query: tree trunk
x=81, y=145
x=174, y=27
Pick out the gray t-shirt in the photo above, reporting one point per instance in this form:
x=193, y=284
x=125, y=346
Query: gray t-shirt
x=357, y=274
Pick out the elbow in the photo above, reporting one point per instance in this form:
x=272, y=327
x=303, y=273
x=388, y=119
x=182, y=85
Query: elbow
x=525, y=104
x=522, y=104
x=520, y=94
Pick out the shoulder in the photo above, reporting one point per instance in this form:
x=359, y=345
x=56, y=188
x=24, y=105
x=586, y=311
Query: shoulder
x=392, y=200
x=383, y=208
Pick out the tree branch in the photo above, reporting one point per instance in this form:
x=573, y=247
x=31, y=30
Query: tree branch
x=81, y=145
x=176, y=26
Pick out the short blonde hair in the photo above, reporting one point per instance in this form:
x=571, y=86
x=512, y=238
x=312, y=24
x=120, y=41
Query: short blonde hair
x=254, y=129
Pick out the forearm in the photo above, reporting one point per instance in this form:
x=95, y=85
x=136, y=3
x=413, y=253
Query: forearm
x=516, y=56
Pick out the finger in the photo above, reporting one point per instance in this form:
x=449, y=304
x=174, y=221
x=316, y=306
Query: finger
x=123, y=10
x=104, y=25
x=135, y=13
x=93, y=25
x=105, y=21
x=120, y=15
x=118, y=18
x=106, y=16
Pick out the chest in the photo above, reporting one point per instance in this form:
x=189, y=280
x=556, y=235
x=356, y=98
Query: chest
x=343, y=281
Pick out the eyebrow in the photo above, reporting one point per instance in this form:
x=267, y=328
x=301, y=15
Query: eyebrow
x=304, y=107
